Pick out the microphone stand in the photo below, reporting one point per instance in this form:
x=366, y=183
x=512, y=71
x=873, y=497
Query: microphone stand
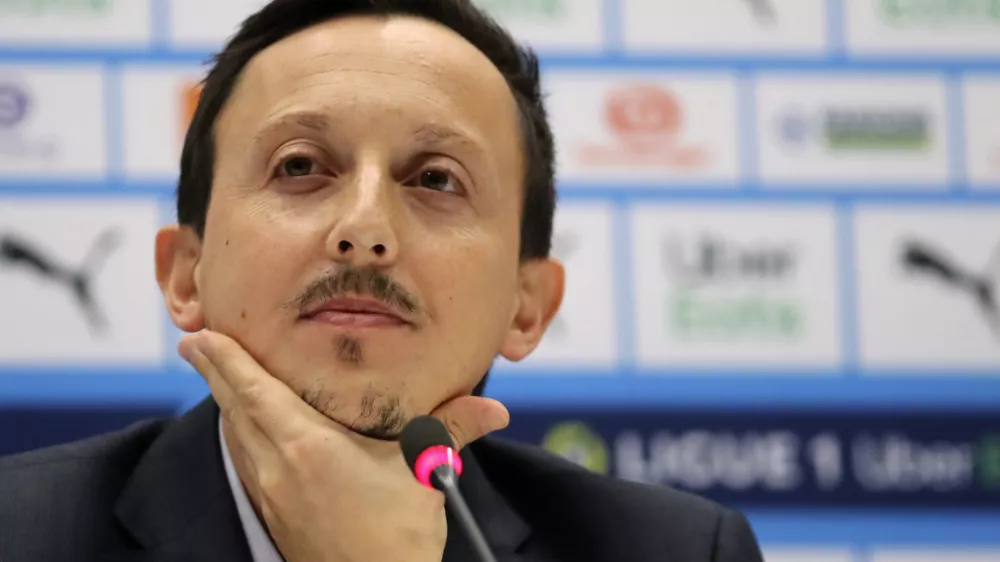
x=443, y=478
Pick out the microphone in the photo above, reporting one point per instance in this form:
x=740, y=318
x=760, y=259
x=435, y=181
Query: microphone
x=430, y=452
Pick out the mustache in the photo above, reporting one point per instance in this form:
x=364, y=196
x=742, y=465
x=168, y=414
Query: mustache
x=364, y=281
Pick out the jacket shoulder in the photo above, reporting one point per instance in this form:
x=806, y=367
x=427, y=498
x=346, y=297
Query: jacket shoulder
x=607, y=517
x=68, y=490
x=93, y=449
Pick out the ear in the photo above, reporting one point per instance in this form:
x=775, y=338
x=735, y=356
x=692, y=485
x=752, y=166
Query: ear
x=541, y=283
x=178, y=253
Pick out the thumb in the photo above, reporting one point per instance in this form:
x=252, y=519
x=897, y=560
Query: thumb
x=470, y=417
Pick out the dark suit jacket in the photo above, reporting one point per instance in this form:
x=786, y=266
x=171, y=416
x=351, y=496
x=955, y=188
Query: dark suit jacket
x=157, y=492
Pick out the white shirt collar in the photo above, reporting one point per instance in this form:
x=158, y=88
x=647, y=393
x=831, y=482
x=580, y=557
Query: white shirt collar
x=262, y=548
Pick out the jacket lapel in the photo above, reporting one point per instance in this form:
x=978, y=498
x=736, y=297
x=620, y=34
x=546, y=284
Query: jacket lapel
x=177, y=504
x=505, y=530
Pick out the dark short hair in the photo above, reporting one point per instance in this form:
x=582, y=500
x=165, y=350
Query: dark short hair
x=281, y=18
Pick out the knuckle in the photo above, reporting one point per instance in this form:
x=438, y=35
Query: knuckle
x=253, y=395
x=296, y=451
x=271, y=484
x=458, y=433
x=228, y=414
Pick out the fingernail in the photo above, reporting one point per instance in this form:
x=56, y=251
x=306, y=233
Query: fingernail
x=185, y=349
x=187, y=346
x=498, y=417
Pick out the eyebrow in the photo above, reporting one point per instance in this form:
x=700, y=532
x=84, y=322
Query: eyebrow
x=301, y=119
x=434, y=136
x=429, y=135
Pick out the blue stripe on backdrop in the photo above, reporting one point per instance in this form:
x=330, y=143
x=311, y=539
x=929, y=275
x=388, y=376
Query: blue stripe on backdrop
x=624, y=294
x=848, y=291
x=538, y=387
x=612, y=26
x=746, y=112
x=159, y=16
x=835, y=30
x=956, y=132
x=114, y=122
x=609, y=62
x=905, y=528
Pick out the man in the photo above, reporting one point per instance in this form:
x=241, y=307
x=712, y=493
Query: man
x=365, y=212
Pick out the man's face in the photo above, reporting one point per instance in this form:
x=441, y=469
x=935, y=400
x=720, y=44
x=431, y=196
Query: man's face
x=363, y=232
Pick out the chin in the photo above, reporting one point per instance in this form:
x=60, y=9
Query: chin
x=364, y=404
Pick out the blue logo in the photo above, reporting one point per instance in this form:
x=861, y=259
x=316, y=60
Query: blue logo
x=13, y=105
x=794, y=127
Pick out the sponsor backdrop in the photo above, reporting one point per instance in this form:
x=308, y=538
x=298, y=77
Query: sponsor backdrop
x=780, y=219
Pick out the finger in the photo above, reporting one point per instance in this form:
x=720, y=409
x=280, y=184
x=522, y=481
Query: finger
x=270, y=404
x=244, y=429
x=470, y=417
x=219, y=388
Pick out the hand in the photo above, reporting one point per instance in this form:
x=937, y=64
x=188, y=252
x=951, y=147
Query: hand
x=325, y=492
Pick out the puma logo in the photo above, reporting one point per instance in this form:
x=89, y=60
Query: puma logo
x=763, y=10
x=982, y=287
x=18, y=252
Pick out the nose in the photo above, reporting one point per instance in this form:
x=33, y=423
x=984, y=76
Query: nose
x=364, y=234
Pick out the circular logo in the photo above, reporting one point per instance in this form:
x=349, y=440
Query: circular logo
x=13, y=104
x=643, y=112
x=794, y=127
x=576, y=442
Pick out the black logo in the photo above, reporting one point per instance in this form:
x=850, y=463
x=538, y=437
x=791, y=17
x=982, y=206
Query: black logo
x=921, y=258
x=16, y=251
x=763, y=11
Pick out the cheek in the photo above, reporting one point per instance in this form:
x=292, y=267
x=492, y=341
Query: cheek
x=248, y=271
x=475, y=282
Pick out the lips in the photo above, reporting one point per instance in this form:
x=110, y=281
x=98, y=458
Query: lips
x=354, y=312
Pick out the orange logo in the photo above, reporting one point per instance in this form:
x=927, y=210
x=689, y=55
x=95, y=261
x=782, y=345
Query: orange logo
x=647, y=121
x=190, y=94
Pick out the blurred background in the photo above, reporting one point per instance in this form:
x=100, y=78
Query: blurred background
x=780, y=220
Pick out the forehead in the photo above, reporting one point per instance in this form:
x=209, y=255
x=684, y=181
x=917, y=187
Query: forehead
x=386, y=69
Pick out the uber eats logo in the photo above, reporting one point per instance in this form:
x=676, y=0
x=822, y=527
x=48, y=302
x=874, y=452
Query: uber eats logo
x=928, y=13
x=723, y=289
x=43, y=7
x=525, y=9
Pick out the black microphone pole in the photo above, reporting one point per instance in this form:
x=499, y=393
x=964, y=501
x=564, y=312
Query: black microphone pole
x=444, y=479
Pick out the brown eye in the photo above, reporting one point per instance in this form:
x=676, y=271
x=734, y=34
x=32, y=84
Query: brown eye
x=438, y=180
x=297, y=166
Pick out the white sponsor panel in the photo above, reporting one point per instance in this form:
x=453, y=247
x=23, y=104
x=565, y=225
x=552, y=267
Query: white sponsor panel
x=936, y=554
x=583, y=332
x=92, y=23
x=852, y=128
x=732, y=26
x=551, y=25
x=927, y=283
x=786, y=554
x=982, y=130
x=52, y=122
x=77, y=283
x=158, y=103
x=735, y=286
x=201, y=24
x=922, y=27
x=620, y=128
